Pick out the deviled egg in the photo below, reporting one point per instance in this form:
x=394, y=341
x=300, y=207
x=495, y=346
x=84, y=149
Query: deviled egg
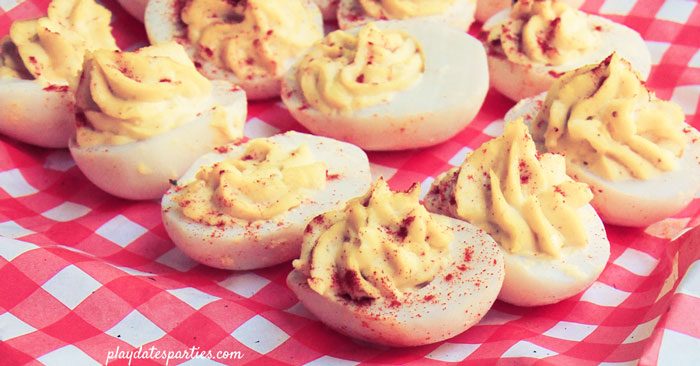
x=640, y=158
x=385, y=270
x=553, y=241
x=389, y=85
x=539, y=40
x=247, y=206
x=40, y=64
x=146, y=116
x=250, y=43
x=455, y=13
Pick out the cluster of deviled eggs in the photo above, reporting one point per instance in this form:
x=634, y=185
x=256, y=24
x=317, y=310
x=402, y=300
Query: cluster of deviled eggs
x=517, y=221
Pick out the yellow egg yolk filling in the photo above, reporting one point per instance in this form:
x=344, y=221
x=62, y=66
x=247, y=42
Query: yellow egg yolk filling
x=265, y=181
x=345, y=72
x=51, y=49
x=403, y=9
x=379, y=246
x=524, y=200
x=253, y=38
x=131, y=96
x=547, y=32
x=604, y=118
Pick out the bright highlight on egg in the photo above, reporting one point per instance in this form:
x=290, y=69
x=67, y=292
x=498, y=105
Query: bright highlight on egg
x=535, y=42
x=249, y=43
x=553, y=241
x=40, y=64
x=146, y=116
x=420, y=83
x=247, y=206
x=633, y=149
x=385, y=270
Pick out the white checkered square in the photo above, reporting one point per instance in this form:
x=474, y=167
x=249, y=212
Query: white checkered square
x=59, y=160
x=378, y=170
x=527, y=349
x=136, y=330
x=66, y=211
x=690, y=284
x=71, y=286
x=604, y=295
x=495, y=317
x=687, y=97
x=639, y=263
x=459, y=157
x=695, y=60
x=677, y=11
x=678, y=349
x=642, y=331
x=331, y=361
x=11, y=249
x=68, y=355
x=657, y=50
x=256, y=127
x=8, y=5
x=570, y=331
x=300, y=310
x=425, y=186
x=13, y=182
x=495, y=128
x=193, y=297
x=11, y=229
x=260, y=335
x=452, y=352
x=12, y=327
x=121, y=231
x=175, y=258
x=617, y=7
x=244, y=284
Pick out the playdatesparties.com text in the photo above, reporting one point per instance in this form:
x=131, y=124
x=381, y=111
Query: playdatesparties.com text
x=153, y=353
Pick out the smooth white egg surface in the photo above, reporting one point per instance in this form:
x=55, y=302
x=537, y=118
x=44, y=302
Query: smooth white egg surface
x=242, y=241
x=534, y=71
x=386, y=271
x=455, y=13
x=142, y=169
x=236, y=42
x=36, y=114
x=438, y=103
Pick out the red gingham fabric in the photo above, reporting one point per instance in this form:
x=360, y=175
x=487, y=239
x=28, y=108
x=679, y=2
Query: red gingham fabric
x=83, y=274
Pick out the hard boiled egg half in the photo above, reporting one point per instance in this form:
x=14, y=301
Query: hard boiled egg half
x=40, y=64
x=246, y=206
x=640, y=158
x=456, y=13
x=553, y=241
x=146, y=116
x=535, y=42
x=384, y=270
x=389, y=85
x=250, y=43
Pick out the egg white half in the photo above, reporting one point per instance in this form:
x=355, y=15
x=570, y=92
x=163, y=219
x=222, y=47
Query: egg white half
x=519, y=81
x=632, y=202
x=268, y=242
x=36, y=114
x=142, y=169
x=163, y=24
x=439, y=105
x=448, y=305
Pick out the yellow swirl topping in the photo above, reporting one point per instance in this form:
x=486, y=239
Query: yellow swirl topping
x=543, y=31
x=252, y=38
x=403, y=9
x=604, y=118
x=265, y=181
x=379, y=245
x=345, y=72
x=131, y=96
x=51, y=49
x=524, y=200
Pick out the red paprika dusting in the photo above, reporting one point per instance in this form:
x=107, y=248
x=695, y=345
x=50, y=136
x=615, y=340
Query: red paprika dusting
x=448, y=277
x=57, y=88
x=222, y=149
x=332, y=176
x=428, y=297
x=394, y=304
x=360, y=78
x=462, y=267
x=468, y=254
x=208, y=51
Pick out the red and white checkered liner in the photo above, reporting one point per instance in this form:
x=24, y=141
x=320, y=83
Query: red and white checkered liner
x=83, y=273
